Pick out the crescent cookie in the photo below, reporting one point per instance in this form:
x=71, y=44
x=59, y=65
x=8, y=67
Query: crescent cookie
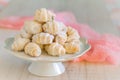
x=72, y=47
x=43, y=38
x=72, y=37
x=71, y=30
x=43, y=15
x=72, y=34
x=24, y=34
x=61, y=38
x=19, y=44
x=32, y=49
x=46, y=47
x=17, y=36
x=55, y=49
x=77, y=41
x=54, y=27
x=41, y=46
x=32, y=27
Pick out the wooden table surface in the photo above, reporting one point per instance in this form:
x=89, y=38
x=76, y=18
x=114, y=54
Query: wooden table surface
x=91, y=12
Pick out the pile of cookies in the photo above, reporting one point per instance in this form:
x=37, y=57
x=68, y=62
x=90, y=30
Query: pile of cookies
x=45, y=33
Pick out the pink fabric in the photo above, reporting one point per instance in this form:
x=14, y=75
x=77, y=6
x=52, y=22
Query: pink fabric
x=4, y=2
x=13, y=22
x=104, y=48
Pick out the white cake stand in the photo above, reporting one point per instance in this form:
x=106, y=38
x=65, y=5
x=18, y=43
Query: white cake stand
x=46, y=65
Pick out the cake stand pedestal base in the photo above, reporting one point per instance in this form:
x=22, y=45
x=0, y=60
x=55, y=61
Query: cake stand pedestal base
x=46, y=68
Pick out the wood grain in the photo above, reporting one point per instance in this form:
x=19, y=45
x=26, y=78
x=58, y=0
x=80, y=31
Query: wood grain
x=91, y=12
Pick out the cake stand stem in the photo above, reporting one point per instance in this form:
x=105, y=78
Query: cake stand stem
x=46, y=68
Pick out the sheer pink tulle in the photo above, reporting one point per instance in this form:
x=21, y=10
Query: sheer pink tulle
x=13, y=22
x=104, y=48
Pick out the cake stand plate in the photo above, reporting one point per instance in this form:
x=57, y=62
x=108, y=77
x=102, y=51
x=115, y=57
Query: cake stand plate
x=46, y=65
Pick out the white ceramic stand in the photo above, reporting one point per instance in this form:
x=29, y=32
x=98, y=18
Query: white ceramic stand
x=46, y=68
x=46, y=65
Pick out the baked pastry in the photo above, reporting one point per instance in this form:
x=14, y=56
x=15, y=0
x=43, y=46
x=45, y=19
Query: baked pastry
x=72, y=34
x=19, y=44
x=32, y=49
x=72, y=37
x=43, y=38
x=24, y=34
x=41, y=46
x=70, y=30
x=48, y=35
x=77, y=41
x=61, y=38
x=54, y=27
x=46, y=47
x=17, y=36
x=32, y=27
x=55, y=49
x=72, y=47
x=43, y=15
